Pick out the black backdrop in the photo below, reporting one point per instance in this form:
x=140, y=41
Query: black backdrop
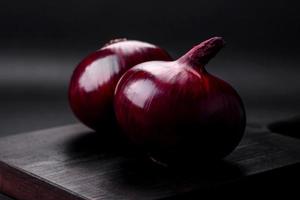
x=42, y=41
x=267, y=25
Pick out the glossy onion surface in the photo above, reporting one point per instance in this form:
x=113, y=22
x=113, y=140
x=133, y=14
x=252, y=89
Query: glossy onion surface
x=94, y=79
x=177, y=111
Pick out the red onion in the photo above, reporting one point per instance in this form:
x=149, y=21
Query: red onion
x=94, y=79
x=177, y=110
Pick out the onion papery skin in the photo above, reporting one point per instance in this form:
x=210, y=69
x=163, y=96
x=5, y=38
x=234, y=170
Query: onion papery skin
x=177, y=111
x=92, y=85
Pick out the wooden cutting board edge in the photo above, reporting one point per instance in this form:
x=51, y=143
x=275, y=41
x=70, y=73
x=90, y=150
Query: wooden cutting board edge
x=21, y=184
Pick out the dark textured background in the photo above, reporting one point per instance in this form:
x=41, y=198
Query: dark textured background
x=42, y=41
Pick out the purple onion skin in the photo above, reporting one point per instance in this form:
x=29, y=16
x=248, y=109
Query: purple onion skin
x=179, y=112
x=94, y=80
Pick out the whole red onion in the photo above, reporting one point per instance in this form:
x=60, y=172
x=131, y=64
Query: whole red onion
x=93, y=81
x=177, y=110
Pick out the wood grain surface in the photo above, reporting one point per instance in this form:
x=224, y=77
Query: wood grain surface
x=72, y=162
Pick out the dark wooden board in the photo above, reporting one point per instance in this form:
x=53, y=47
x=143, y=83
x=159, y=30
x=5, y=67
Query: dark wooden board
x=72, y=162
